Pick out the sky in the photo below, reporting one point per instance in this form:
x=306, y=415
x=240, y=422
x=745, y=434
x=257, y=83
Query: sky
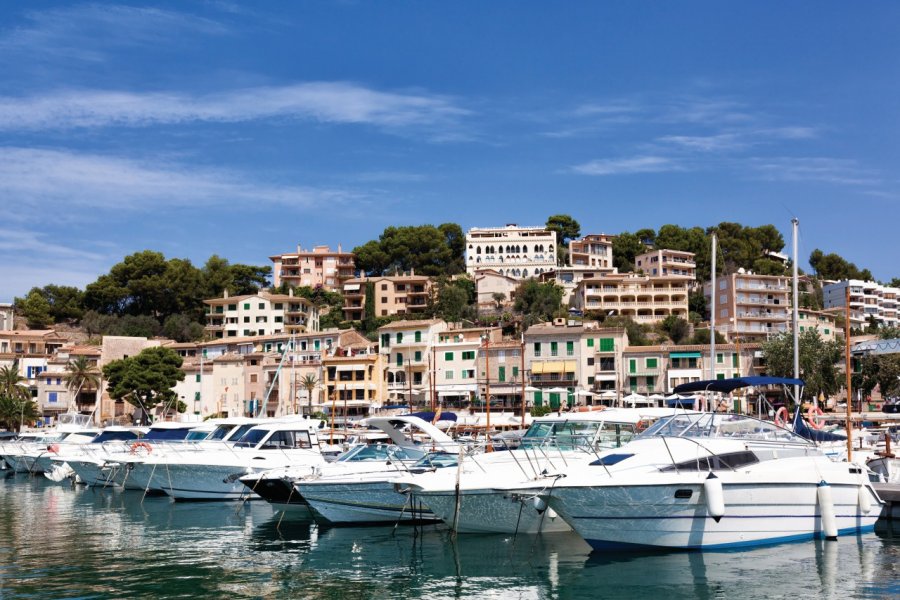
x=245, y=129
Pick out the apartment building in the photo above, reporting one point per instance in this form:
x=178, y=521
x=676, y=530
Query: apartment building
x=643, y=298
x=406, y=347
x=560, y=361
x=823, y=322
x=7, y=314
x=656, y=370
x=260, y=314
x=488, y=284
x=353, y=383
x=607, y=344
x=457, y=355
x=592, y=251
x=319, y=267
x=568, y=278
x=53, y=394
x=751, y=307
x=394, y=295
x=517, y=252
x=868, y=300
x=663, y=262
x=30, y=350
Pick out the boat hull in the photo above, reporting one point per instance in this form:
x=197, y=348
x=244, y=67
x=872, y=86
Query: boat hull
x=664, y=516
x=347, y=502
x=491, y=511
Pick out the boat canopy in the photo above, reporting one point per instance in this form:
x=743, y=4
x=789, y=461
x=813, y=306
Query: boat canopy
x=729, y=385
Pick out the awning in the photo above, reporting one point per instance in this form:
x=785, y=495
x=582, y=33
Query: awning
x=351, y=287
x=344, y=368
x=684, y=355
x=450, y=394
x=729, y=385
x=554, y=366
x=680, y=402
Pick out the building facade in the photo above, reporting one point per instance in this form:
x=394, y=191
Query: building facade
x=7, y=316
x=560, y=362
x=517, y=252
x=751, y=307
x=823, y=322
x=868, y=301
x=592, y=251
x=260, y=314
x=394, y=295
x=489, y=285
x=406, y=348
x=319, y=267
x=643, y=298
x=667, y=263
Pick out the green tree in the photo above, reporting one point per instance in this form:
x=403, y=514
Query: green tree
x=697, y=306
x=146, y=379
x=701, y=337
x=881, y=370
x=895, y=282
x=834, y=266
x=566, y=229
x=538, y=302
x=426, y=249
x=181, y=328
x=15, y=412
x=637, y=333
x=81, y=375
x=249, y=279
x=36, y=309
x=309, y=382
x=369, y=308
x=453, y=301
x=12, y=384
x=625, y=247
x=66, y=302
x=676, y=328
x=818, y=360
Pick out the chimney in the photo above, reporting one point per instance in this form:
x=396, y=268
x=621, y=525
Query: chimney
x=291, y=291
x=339, y=249
x=225, y=294
x=299, y=248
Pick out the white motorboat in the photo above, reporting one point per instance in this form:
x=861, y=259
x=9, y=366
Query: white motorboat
x=205, y=472
x=362, y=491
x=468, y=500
x=709, y=481
x=55, y=464
x=20, y=455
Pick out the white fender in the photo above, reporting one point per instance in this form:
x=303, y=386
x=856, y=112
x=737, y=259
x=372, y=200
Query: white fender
x=826, y=510
x=551, y=513
x=715, y=497
x=539, y=504
x=865, y=500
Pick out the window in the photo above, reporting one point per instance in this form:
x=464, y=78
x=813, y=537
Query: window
x=827, y=331
x=632, y=366
x=734, y=359
x=515, y=371
x=720, y=358
x=253, y=377
x=501, y=373
x=448, y=356
x=468, y=355
x=448, y=374
x=232, y=307
x=537, y=348
x=197, y=378
x=418, y=356
x=384, y=287
x=262, y=306
x=650, y=382
x=570, y=348
x=590, y=380
x=385, y=340
x=279, y=306
x=317, y=345
x=632, y=383
x=418, y=336
x=590, y=361
x=246, y=319
x=590, y=342
x=246, y=306
x=399, y=337
x=51, y=396
x=554, y=348
x=651, y=363
x=607, y=345
x=399, y=360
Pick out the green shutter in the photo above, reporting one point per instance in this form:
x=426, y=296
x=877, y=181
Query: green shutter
x=632, y=383
x=650, y=381
x=197, y=378
x=734, y=359
x=720, y=375
x=418, y=336
x=538, y=398
x=570, y=348
x=651, y=363
x=554, y=401
x=316, y=344
x=448, y=356
x=196, y=396
x=632, y=365
x=515, y=372
x=399, y=337
x=590, y=342
x=399, y=360
x=247, y=306
x=720, y=358
x=537, y=348
x=501, y=373
x=554, y=348
x=418, y=355
x=607, y=344
x=385, y=340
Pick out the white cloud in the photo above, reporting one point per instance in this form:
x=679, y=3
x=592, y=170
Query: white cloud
x=627, y=166
x=46, y=179
x=705, y=143
x=331, y=102
x=818, y=169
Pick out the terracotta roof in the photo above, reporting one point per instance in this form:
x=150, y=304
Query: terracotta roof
x=410, y=323
x=688, y=348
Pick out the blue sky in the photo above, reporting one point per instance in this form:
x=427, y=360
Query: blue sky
x=243, y=129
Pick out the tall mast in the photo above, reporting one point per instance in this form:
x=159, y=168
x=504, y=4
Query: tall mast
x=847, y=369
x=795, y=223
x=712, y=313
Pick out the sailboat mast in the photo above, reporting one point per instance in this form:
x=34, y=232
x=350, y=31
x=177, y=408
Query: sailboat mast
x=795, y=223
x=712, y=313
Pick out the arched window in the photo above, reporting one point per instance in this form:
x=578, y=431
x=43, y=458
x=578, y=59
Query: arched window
x=524, y=249
x=518, y=249
x=524, y=272
x=478, y=250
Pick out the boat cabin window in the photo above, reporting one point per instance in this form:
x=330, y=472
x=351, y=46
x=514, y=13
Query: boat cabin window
x=220, y=432
x=287, y=440
x=373, y=452
x=196, y=435
x=707, y=425
x=570, y=435
x=718, y=462
x=252, y=438
x=238, y=432
x=163, y=435
x=435, y=460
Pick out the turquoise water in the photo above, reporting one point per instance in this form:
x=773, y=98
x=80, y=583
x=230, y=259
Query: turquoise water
x=62, y=542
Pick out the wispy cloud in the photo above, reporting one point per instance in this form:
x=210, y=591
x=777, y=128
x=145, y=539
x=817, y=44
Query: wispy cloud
x=48, y=179
x=331, y=102
x=627, y=166
x=705, y=143
x=816, y=169
x=89, y=32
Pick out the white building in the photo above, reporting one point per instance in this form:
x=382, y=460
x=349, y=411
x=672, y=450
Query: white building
x=6, y=316
x=868, y=299
x=406, y=347
x=260, y=314
x=518, y=252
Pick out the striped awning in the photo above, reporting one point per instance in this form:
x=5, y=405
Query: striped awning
x=554, y=366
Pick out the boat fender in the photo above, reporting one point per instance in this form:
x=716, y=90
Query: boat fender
x=540, y=505
x=551, y=513
x=715, y=497
x=826, y=510
x=865, y=500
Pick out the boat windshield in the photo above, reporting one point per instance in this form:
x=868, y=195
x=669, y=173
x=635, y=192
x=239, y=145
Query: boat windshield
x=113, y=436
x=220, y=432
x=74, y=419
x=252, y=438
x=238, y=433
x=164, y=435
x=571, y=435
x=436, y=460
x=373, y=452
x=709, y=425
x=196, y=435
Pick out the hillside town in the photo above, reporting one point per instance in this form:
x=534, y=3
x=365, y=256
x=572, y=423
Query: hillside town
x=267, y=354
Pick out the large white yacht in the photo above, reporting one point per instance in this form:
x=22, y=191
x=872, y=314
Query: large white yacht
x=467, y=499
x=711, y=480
x=20, y=455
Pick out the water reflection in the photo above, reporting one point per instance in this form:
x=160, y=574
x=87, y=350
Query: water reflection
x=58, y=541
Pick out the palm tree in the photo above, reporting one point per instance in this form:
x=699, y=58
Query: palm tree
x=81, y=373
x=16, y=405
x=309, y=383
x=12, y=385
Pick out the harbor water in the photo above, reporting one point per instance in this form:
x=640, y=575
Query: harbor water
x=58, y=541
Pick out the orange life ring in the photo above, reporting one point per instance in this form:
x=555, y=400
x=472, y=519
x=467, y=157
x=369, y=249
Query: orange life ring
x=781, y=417
x=813, y=415
x=136, y=445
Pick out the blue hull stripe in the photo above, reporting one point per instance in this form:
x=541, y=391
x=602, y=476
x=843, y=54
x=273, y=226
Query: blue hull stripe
x=603, y=545
x=692, y=517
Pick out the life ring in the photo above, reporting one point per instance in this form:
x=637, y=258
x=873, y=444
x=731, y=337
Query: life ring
x=54, y=448
x=813, y=415
x=136, y=445
x=589, y=408
x=781, y=417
